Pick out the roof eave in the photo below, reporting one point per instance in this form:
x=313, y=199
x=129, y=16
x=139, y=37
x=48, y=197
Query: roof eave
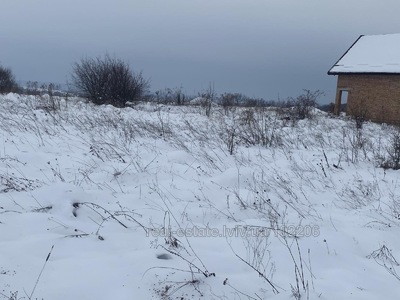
x=362, y=73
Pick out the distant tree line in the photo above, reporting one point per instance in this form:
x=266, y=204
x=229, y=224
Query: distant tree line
x=109, y=80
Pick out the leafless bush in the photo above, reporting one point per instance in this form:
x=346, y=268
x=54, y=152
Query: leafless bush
x=207, y=99
x=304, y=104
x=250, y=127
x=259, y=127
x=359, y=115
x=229, y=101
x=229, y=134
x=108, y=81
x=7, y=81
x=355, y=143
x=392, y=160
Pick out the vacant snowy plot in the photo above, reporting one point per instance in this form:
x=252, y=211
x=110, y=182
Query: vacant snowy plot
x=162, y=202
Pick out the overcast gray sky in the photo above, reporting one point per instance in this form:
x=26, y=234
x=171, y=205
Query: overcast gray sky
x=262, y=48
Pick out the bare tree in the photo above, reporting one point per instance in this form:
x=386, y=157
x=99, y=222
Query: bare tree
x=108, y=81
x=7, y=81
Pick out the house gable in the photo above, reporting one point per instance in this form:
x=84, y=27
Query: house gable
x=370, y=54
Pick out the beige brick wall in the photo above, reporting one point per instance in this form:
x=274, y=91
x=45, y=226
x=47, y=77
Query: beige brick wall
x=378, y=96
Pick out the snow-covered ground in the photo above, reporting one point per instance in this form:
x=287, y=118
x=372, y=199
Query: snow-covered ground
x=162, y=202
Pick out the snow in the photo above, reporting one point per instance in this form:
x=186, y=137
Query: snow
x=371, y=54
x=104, y=185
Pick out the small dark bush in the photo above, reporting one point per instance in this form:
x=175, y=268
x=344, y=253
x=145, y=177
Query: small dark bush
x=7, y=81
x=359, y=115
x=392, y=160
x=108, y=81
x=304, y=104
x=207, y=98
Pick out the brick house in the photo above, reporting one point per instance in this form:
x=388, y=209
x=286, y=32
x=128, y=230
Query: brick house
x=369, y=77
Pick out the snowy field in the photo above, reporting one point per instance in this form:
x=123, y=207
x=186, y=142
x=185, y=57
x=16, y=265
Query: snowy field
x=163, y=202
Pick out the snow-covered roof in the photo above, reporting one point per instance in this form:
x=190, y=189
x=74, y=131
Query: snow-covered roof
x=371, y=54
